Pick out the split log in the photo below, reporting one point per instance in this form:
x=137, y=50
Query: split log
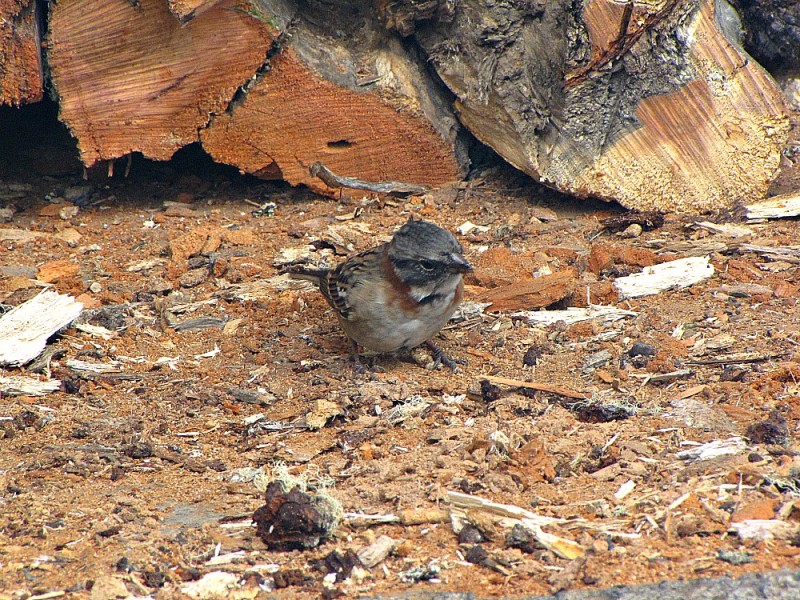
x=20, y=56
x=772, y=36
x=264, y=88
x=653, y=104
x=132, y=78
x=340, y=90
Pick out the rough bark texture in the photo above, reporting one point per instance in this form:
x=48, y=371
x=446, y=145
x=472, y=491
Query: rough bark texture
x=772, y=32
x=20, y=56
x=133, y=78
x=652, y=104
x=340, y=89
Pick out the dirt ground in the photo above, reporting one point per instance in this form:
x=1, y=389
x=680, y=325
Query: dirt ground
x=140, y=480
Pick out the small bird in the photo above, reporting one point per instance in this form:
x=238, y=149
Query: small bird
x=396, y=296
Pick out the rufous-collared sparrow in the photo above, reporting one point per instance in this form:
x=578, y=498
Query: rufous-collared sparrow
x=397, y=295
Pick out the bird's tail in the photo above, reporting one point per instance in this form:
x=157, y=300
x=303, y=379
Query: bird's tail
x=316, y=276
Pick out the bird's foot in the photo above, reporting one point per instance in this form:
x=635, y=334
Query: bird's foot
x=359, y=367
x=440, y=358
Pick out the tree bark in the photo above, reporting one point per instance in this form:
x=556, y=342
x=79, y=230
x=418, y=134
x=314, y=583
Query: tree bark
x=772, y=32
x=653, y=104
x=20, y=55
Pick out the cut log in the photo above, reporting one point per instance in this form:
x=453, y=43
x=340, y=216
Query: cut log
x=772, y=36
x=20, y=54
x=340, y=90
x=653, y=104
x=132, y=78
x=266, y=88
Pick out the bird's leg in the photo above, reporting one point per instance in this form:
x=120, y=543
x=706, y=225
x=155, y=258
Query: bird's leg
x=358, y=366
x=440, y=358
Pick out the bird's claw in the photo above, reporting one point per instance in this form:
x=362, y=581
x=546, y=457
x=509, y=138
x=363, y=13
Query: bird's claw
x=440, y=358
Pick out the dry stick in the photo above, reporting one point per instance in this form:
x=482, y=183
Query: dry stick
x=729, y=360
x=532, y=385
x=423, y=516
x=393, y=188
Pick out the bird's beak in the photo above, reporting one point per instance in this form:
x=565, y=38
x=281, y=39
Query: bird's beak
x=459, y=264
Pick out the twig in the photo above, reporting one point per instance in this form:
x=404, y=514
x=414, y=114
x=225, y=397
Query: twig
x=393, y=188
x=532, y=385
x=727, y=360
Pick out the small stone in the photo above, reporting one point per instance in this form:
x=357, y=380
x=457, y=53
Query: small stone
x=522, y=538
x=6, y=214
x=193, y=277
x=640, y=354
x=532, y=356
x=68, y=212
x=489, y=391
x=733, y=373
x=633, y=230
x=339, y=563
x=477, y=555
x=154, y=579
x=123, y=565
x=108, y=587
x=772, y=430
x=429, y=572
x=18, y=271
x=71, y=236
x=95, y=288
x=140, y=449
x=470, y=534
x=78, y=194
x=110, y=532
x=735, y=558
x=197, y=262
x=641, y=349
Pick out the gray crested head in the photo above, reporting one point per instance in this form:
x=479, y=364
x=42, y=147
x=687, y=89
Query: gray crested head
x=422, y=253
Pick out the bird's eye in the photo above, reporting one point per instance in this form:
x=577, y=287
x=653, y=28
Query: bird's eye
x=426, y=265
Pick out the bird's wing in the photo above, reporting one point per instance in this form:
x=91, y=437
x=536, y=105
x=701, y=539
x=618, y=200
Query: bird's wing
x=353, y=272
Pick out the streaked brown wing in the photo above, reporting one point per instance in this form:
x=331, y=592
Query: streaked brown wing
x=348, y=275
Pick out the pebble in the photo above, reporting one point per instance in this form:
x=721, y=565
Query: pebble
x=633, y=230
x=641, y=349
x=193, y=277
